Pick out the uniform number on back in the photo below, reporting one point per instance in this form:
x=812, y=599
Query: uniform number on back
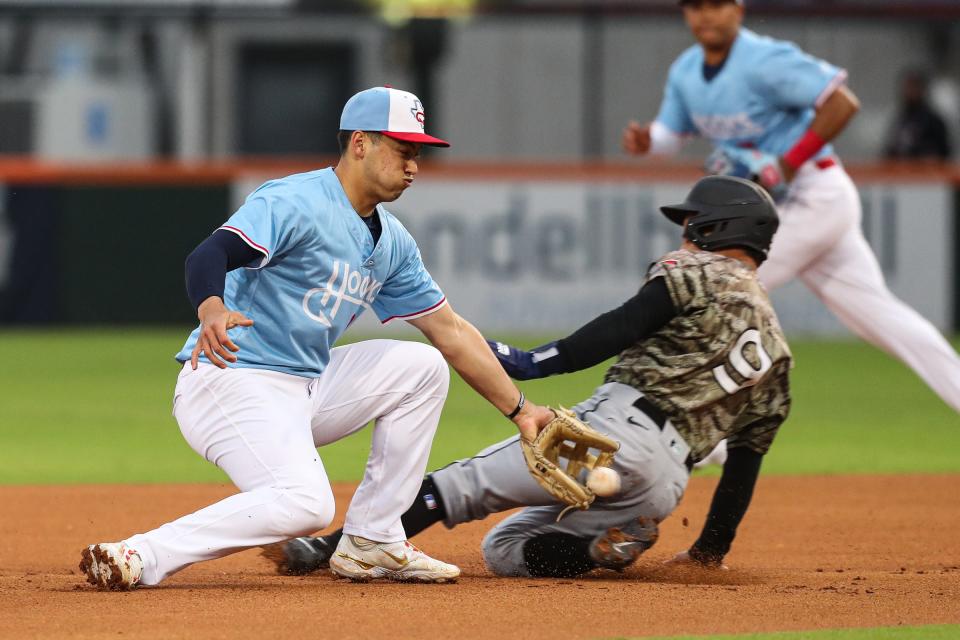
x=738, y=362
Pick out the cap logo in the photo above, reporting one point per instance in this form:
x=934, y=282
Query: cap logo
x=417, y=111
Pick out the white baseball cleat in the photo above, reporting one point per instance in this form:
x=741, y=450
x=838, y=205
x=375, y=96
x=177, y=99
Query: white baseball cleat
x=111, y=565
x=362, y=560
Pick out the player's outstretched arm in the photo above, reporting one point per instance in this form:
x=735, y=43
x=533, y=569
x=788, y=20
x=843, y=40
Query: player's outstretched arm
x=603, y=337
x=730, y=502
x=467, y=352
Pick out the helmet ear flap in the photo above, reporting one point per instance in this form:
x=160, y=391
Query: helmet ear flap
x=699, y=231
x=710, y=228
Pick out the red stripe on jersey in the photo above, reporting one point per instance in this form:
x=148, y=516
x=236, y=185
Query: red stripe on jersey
x=416, y=314
x=246, y=239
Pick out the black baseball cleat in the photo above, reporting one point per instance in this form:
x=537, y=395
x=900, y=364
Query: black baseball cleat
x=619, y=547
x=299, y=556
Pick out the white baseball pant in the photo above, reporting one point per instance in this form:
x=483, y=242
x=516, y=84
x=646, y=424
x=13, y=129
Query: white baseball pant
x=262, y=428
x=820, y=240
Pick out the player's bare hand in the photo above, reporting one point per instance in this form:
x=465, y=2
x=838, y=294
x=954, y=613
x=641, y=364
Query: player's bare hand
x=213, y=341
x=532, y=419
x=636, y=138
x=684, y=559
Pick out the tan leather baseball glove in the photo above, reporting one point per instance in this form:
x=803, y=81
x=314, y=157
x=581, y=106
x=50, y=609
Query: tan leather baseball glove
x=566, y=437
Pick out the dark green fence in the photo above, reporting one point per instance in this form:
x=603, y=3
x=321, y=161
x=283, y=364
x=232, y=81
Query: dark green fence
x=110, y=254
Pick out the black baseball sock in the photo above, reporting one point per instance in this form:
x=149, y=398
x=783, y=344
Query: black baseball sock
x=333, y=539
x=425, y=511
x=557, y=555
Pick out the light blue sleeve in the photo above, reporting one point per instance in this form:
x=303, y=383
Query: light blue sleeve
x=409, y=292
x=792, y=79
x=673, y=111
x=266, y=223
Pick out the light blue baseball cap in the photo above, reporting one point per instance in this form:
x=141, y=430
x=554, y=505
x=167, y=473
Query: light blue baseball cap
x=394, y=113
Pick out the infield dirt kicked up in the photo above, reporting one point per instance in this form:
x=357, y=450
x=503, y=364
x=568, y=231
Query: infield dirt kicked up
x=814, y=552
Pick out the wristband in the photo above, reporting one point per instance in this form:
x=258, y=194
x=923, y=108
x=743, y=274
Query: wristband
x=520, y=403
x=806, y=148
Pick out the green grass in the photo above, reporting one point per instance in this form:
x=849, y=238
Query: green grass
x=94, y=406
x=938, y=632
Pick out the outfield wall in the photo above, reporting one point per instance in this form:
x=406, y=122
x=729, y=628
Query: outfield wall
x=517, y=249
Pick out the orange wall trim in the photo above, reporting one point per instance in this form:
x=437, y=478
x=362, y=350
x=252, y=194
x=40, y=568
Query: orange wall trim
x=28, y=171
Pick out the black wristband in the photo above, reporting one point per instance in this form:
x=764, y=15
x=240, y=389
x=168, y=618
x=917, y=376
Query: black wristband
x=520, y=403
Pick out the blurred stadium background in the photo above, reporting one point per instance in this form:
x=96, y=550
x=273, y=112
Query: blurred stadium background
x=130, y=129
x=127, y=119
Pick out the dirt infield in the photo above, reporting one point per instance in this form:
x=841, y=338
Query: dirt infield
x=815, y=552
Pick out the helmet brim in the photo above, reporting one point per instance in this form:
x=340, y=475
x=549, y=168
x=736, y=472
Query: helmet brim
x=677, y=213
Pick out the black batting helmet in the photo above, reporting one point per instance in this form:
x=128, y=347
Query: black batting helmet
x=726, y=212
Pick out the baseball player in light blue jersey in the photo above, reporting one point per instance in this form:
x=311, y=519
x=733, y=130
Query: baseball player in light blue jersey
x=771, y=110
x=261, y=386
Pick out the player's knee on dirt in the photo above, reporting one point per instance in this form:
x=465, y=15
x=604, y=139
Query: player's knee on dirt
x=548, y=555
x=503, y=554
x=557, y=555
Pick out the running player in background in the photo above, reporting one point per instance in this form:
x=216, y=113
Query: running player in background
x=771, y=110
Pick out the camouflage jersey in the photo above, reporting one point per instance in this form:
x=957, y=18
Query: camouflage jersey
x=719, y=368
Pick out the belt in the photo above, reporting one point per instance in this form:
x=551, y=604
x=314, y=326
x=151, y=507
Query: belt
x=652, y=412
x=660, y=419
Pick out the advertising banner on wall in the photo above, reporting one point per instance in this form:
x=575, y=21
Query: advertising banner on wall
x=544, y=256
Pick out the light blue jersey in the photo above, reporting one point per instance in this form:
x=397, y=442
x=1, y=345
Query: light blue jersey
x=319, y=271
x=763, y=97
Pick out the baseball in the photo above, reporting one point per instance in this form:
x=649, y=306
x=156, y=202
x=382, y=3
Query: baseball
x=603, y=481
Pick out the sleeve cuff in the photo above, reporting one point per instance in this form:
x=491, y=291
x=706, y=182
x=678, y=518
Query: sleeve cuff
x=664, y=141
x=417, y=314
x=832, y=86
x=251, y=244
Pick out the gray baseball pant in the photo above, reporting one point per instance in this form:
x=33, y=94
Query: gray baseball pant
x=651, y=463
